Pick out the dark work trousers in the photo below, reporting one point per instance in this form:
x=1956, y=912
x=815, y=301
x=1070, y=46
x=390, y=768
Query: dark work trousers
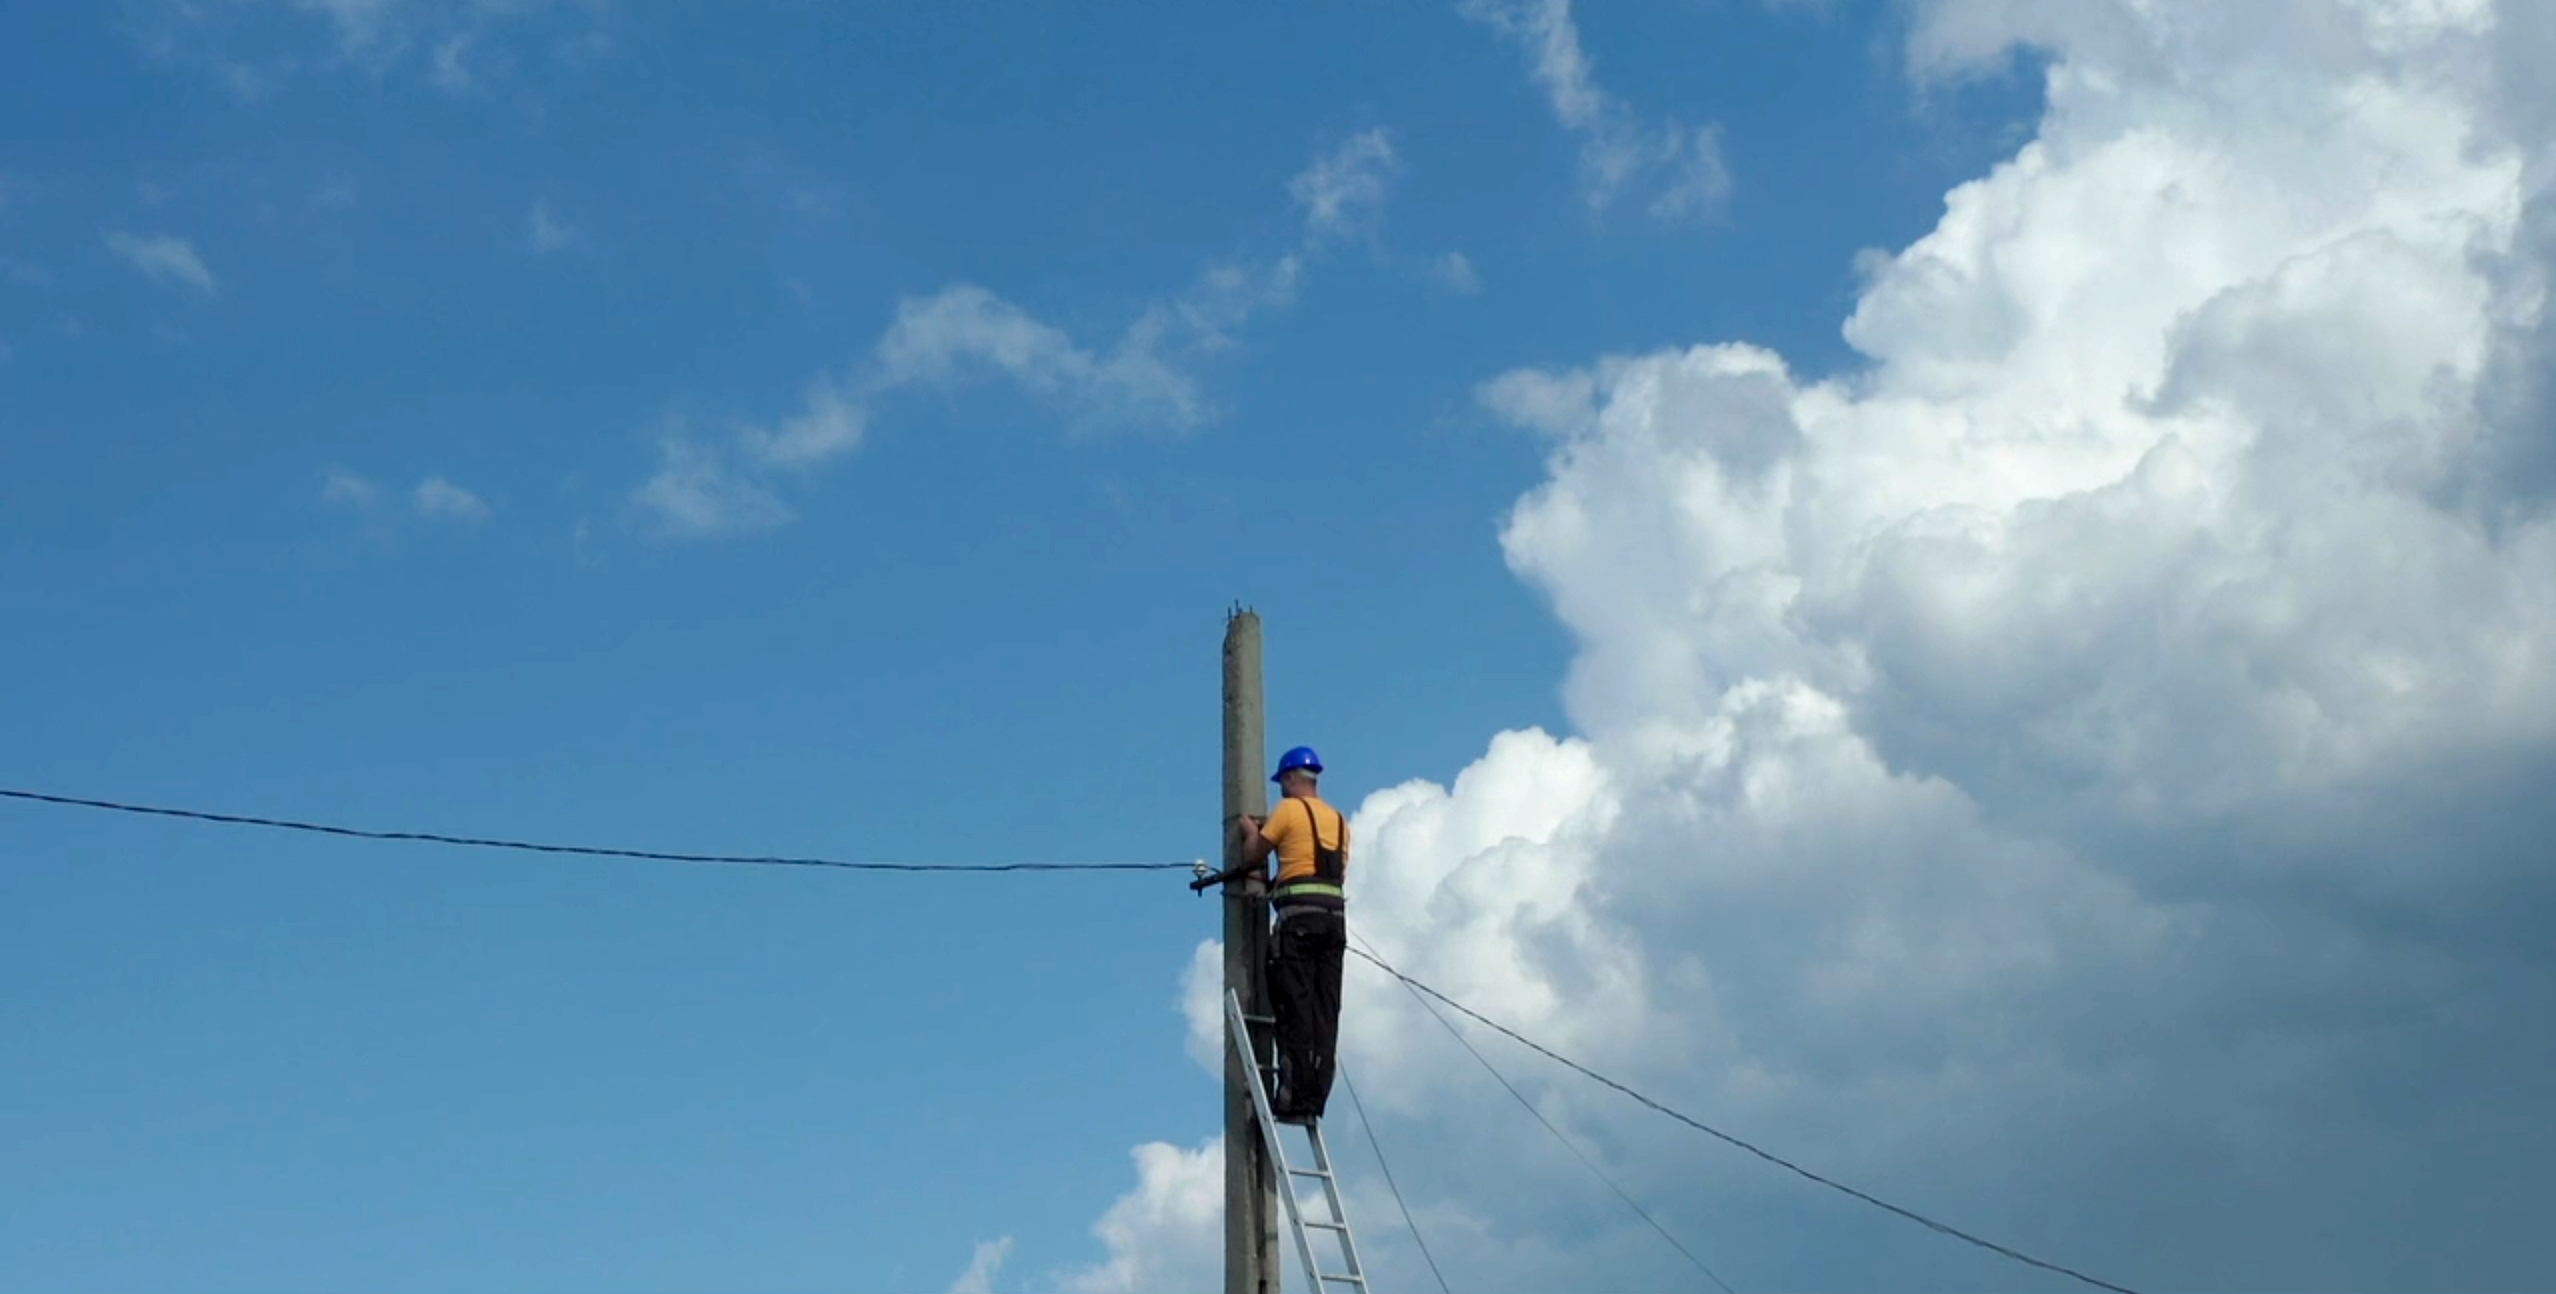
x=1304, y=994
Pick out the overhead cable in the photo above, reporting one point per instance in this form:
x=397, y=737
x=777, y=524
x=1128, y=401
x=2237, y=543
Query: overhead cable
x=1387, y=1169
x=1419, y=989
x=590, y=851
x=1941, y=1228
x=1567, y=1143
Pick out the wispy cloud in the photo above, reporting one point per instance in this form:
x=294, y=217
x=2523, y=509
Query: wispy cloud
x=792, y=186
x=936, y=338
x=1146, y=377
x=253, y=46
x=964, y=330
x=828, y=424
x=1679, y=165
x=814, y=201
x=983, y=1268
x=698, y=492
x=548, y=232
x=163, y=259
x=360, y=23
x=1455, y=272
x=1346, y=185
x=437, y=499
x=450, y=66
x=25, y=274
x=345, y=489
x=1143, y=377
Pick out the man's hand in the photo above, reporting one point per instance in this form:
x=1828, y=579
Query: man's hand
x=1205, y=883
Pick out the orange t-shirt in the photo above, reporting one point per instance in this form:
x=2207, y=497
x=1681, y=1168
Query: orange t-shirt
x=1294, y=826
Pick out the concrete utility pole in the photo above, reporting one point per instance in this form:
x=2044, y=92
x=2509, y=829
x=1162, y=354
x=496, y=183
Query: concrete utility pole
x=1251, y=1182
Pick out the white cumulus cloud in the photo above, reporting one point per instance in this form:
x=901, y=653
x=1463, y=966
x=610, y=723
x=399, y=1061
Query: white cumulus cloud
x=2079, y=773
x=1169, y=1232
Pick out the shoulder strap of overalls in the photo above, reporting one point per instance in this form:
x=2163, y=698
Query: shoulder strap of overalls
x=1314, y=820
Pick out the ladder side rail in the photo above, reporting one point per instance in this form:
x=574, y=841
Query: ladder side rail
x=1240, y=1033
x=1357, y=1270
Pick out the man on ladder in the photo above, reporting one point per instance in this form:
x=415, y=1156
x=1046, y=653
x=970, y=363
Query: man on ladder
x=1311, y=935
x=1311, y=840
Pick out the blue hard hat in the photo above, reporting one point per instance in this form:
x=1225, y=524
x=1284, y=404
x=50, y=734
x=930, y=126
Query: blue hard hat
x=1301, y=757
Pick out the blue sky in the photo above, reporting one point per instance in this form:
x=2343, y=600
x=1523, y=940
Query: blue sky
x=988, y=634
x=750, y=429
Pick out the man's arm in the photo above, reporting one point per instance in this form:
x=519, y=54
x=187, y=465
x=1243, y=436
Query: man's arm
x=1256, y=843
x=1252, y=845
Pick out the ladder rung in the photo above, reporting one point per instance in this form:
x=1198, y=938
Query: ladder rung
x=1264, y=1078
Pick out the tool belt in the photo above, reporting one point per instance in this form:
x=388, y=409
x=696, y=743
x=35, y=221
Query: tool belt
x=1308, y=896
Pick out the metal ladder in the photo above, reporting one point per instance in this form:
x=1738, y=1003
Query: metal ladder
x=1355, y=1277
